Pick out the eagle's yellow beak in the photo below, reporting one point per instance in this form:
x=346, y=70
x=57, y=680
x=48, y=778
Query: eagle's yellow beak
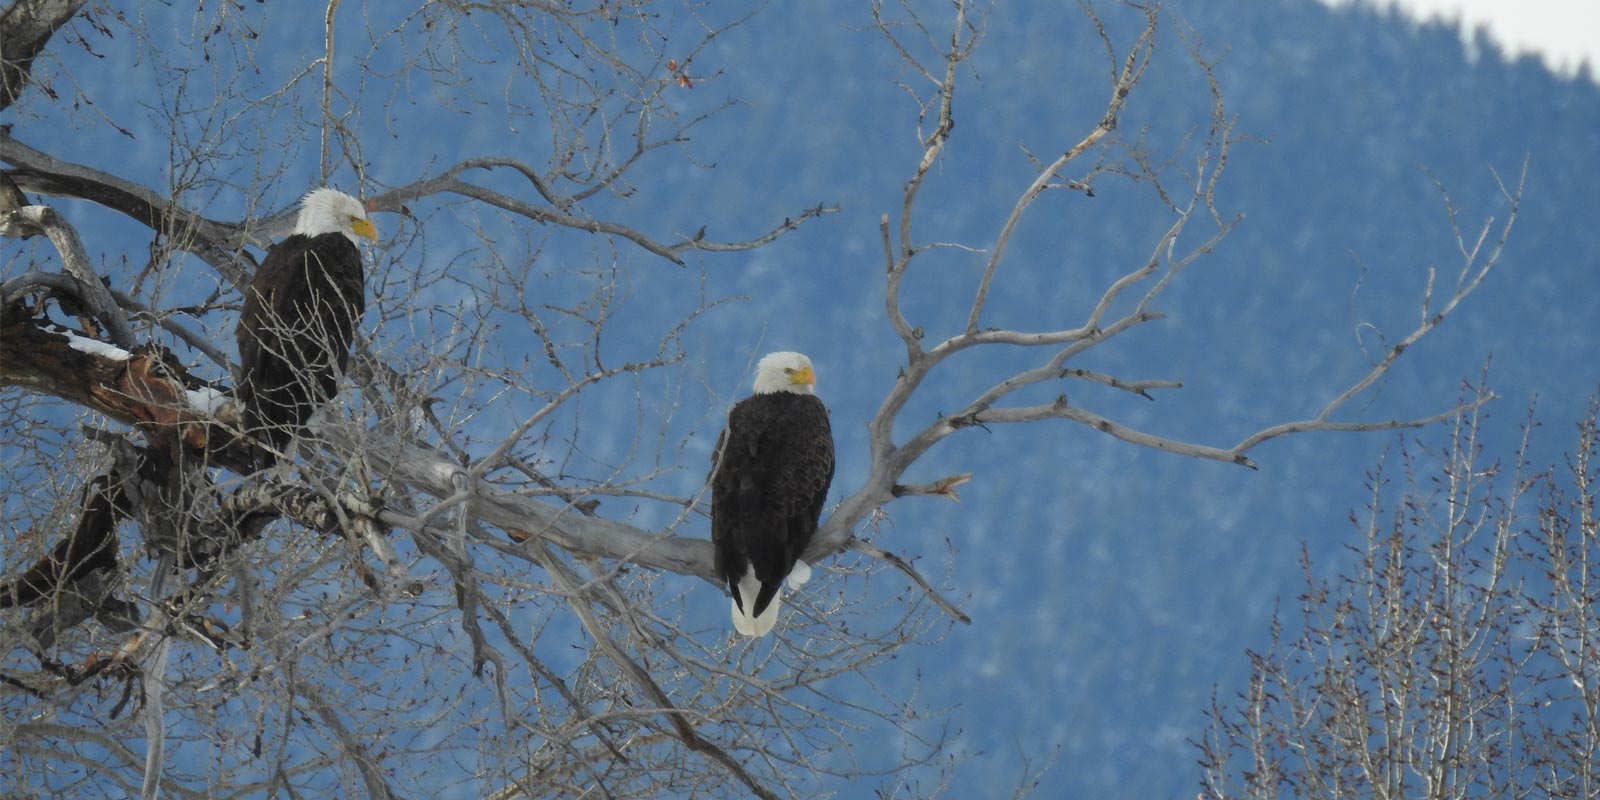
x=804, y=375
x=365, y=228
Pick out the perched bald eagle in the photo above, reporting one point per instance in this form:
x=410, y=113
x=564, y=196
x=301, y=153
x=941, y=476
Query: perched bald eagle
x=300, y=316
x=769, y=477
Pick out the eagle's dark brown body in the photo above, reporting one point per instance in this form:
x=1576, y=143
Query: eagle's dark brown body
x=299, y=321
x=776, y=462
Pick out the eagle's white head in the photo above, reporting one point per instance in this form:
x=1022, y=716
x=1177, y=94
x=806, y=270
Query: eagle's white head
x=785, y=372
x=328, y=210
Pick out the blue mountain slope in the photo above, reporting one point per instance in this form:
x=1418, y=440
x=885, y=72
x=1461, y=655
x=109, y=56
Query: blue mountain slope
x=1112, y=588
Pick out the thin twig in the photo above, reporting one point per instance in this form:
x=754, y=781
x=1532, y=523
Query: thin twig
x=862, y=546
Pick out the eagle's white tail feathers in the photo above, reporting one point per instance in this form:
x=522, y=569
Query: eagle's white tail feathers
x=755, y=626
x=799, y=575
x=747, y=625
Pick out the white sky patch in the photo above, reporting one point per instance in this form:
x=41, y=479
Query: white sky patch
x=206, y=399
x=1562, y=33
x=94, y=347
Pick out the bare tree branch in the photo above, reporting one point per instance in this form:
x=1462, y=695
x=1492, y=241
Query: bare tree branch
x=1133, y=68
x=910, y=572
x=26, y=27
x=31, y=220
x=219, y=244
x=1459, y=629
x=518, y=450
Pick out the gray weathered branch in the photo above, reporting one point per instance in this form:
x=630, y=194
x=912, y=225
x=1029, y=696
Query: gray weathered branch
x=26, y=27
x=29, y=221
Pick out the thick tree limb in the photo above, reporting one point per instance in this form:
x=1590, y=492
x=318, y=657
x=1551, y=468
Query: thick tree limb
x=25, y=29
x=435, y=473
x=29, y=221
x=91, y=547
x=11, y=197
x=157, y=485
x=61, y=284
x=220, y=244
x=146, y=387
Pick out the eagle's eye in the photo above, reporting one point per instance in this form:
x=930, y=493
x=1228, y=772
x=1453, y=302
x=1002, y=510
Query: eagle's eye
x=788, y=371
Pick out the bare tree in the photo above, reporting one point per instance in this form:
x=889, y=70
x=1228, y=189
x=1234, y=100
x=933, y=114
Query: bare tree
x=1458, y=658
x=457, y=583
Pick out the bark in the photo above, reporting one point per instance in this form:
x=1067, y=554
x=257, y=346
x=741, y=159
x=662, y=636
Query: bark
x=25, y=28
x=220, y=244
x=146, y=390
x=91, y=547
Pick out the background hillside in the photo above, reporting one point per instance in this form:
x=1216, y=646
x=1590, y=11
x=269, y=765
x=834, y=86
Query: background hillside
x=1113, y=588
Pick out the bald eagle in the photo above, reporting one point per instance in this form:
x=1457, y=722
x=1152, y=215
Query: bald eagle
x=769, y=477
x=299, y=319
